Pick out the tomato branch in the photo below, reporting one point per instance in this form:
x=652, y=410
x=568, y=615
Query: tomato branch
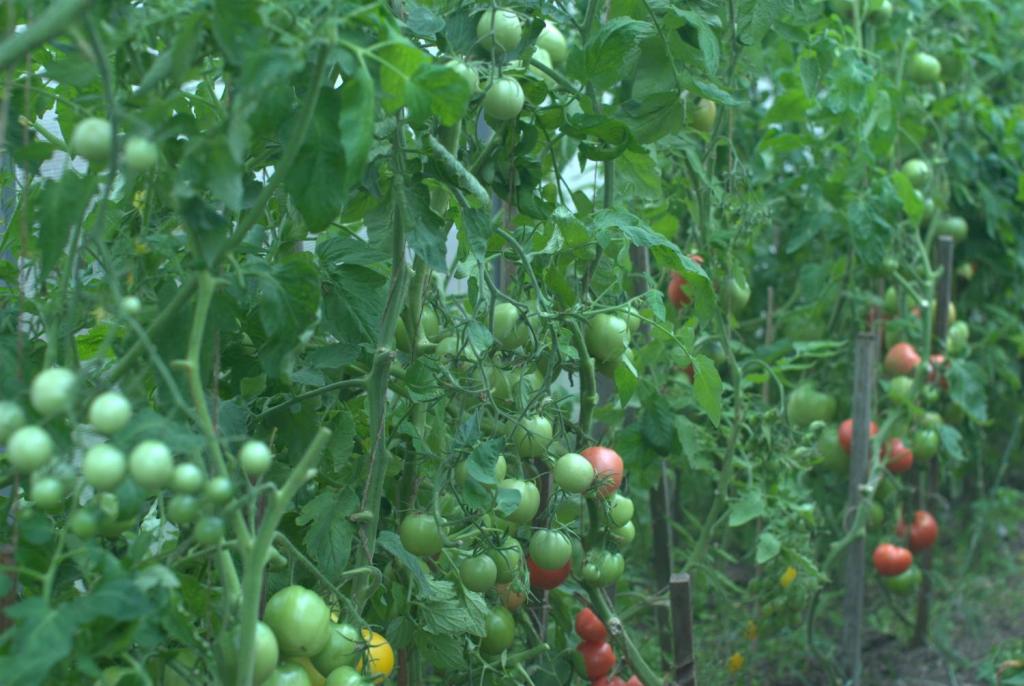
x=54, y=21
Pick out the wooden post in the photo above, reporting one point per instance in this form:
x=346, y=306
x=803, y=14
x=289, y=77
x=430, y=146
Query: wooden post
x=853, y=602
x=684, y=673
x=661, y=527
x=943, y=296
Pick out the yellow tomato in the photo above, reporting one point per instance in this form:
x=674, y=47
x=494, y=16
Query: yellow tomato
x=735, y=662
x=315, y=677
x=381, y=656
x=788, y=577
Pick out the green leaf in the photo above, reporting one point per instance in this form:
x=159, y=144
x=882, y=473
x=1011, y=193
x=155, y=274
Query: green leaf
x=400, y=60
x=913, y=205
x=951, y=443
x=424, y=230
x=707, y=386
x=967, y=391
x=446, y=613
x=62, y=204
x=507, y=501
x=611, y=52
x=626, y=380
x=436, y=89
x=768, y=546
x=40, y=638
x=289, y=296
x=328, y=535
x=749, y=507
x=356, y=121
x=392, y=544
x=481, y=461
x=792, y=105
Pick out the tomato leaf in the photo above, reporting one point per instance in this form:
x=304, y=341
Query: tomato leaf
x=612, y=51
x=749, y=507
x=768, y=546
x=328, y=532
x=966, y=391
x=707, y=386
x=40, y=638
x=61, y=206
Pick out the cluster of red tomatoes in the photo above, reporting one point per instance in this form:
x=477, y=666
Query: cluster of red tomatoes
x=596, y=654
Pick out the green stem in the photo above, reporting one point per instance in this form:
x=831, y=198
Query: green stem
x=259, y=554
x=54, y=21
x=337, y=385
x=452, y=164
x=588, y=381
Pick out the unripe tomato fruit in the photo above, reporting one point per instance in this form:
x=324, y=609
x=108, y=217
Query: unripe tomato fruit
x=420, y=535
x=188, y=478
x=219, y=490
x=380, y=657
x=624, y=534
x=621, y=510
x=508, y=557
x=29, y=448
x=140, y=154
x=607, y=466
x=151, y=464
x=104, y=466
x=500, y=631
x=472, y=80
x=905, y=583
x=806, y=404
x=845, y=433
x=83, y=523
x=110, y=412
x=924, y=68
x=508, y=327
x=890, y=560
x=737, y=293
x=917, y=171
x=550, y=549
x=504, y=99
x=573, y=473
x=345, y=676
x=265, y=649
x=901, y=390
x=12, y=418
x=209, y=530
x=552, y=40
x=300, y=619
x=607, y=337
x=478, y=573
x=131, y=305
x=183, y=509
x=925, y=443
x=529, y=500
x=703, y=115
x=532, y=436
x=612, y=565
x=901, y=360
x=342, y=649
x=955, y=227
x=598, y=658
x=589, y=626
x=255, y=458
x=831, y=452
x=288, y=674
x=53, y=391
x=91, y=139
x=499, y=27
x=46, y=493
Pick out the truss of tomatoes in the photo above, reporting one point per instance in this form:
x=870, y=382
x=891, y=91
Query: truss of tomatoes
x=596, y=655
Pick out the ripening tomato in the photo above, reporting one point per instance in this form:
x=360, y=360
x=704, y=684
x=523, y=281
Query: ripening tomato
x=891, y=560
x=936, y=371
x=511, y=597
x=900, y=457
x=845, y=432
x=598, y=658
x=300, y=619
x=901, y=360
x=608, y=467
x=547, y=578
x=589, y=626
x=923, y=531
x=550, y=550
x=675, y=292
x=380, y=656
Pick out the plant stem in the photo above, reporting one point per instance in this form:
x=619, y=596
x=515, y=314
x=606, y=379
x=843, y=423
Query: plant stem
x=54, y=21
x=259, y=554
x=588, y=381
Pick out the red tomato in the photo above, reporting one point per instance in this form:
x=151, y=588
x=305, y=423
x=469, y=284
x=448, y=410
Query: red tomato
x=901, y=360
x=608, y=467
x=935, y=373
x=598, y=658
x=846, y=433
x=634, y=681
x=547, y=578
x=901, y=458
x=675, y=293
x=891, y=560
x=589, y=626
x=609, y=681
x=923, y=531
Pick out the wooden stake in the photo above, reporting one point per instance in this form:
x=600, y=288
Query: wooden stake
x=853, y=602
x=684, y=673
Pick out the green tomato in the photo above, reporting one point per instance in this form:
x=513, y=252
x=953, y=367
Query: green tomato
x=209, y=530
x=957, y=337
x=504, y=99
x=140, y=154
x=500, y=469
x=12, y=418
x=288, y=674
x=737, y=293
x=342, y=649
x=110, y=412
x=130, y=305
x=471, y=78
x=620, y=511
x=901, y=390
x=703, y=116
x=529, y=500
x=103, y=467
x=345, y=676
x=806, y=405
x=532, y=436
x=508, y=559
x=831, y=452
x=266, y=651
x=47, y=493
x=508, y=328
x=625, y=534
x=420, y=535
x=53, y=391
x=925, y=444
x=876, y=515
x=607, y=337
x=92, y=139
x=612, y=565
x=188, y=478
x=924, y=68
x=541, y=56
x=478, y=573
x=550, y=549
x=573, y=473
x=300, y=619
x=552, y=40
x=219, y=490
x=151, y=464
x=591, y=573
x=917, y=171
x=932, y=420
x=955, y=227
x=568, y=511
x=255, y=458
x=499, y=627
x=905, y=583
x=183, y=509
x=83, y=523
x=29, y=448
x=499, y=27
